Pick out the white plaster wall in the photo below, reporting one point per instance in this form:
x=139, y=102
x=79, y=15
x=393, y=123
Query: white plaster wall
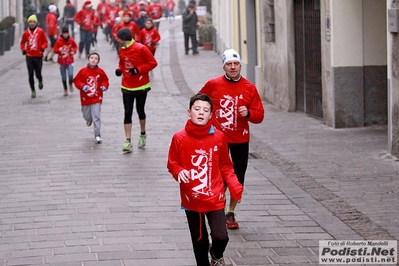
x=374, y=32
x=278, y=64
x=222, y=18
x=346, y=33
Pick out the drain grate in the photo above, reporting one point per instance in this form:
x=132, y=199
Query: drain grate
x=36, y=102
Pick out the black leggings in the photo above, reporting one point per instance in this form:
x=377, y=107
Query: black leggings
x=239, y=156
x=199, y=234
x=34, y=65
x=128, y=102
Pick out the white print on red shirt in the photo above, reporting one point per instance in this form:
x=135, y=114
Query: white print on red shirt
x=127, y=64
x=227, y=114
x=92, y=83
x=148, y=39
x=112, y=14
x=202, y=168
x=32, y=42
x=87, y=20
x=65, y=50
x=103, y=10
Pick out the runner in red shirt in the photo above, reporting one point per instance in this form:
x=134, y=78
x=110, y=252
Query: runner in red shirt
x=132, y=26
x=155, y=12
x=135, y=62
x=236, y=104
x=85, y=18
x=199, y=161
x=33, y=43
x=66, y=48
x=149, y=36
x=170, y=6
x=52, y=31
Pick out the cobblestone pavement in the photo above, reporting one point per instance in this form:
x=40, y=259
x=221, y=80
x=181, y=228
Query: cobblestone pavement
x=67, y=201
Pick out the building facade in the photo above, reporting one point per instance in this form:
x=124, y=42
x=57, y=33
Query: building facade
x=333, y=60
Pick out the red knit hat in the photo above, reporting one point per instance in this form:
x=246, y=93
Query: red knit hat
x=87, y=3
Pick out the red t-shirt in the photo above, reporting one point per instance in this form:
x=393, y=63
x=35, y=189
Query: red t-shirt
x=227, y=96
x=34, y=42
x=203, y=151
x=95, y=78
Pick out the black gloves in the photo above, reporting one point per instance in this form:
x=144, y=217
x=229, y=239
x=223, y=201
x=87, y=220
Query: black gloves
x=133, y=71
x=23, y=52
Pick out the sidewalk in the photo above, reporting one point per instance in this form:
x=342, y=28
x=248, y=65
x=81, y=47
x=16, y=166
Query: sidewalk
x=65, y=200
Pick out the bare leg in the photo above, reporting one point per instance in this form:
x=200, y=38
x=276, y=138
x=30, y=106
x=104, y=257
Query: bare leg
x=48, y=50
x=128, y=131
x=233, y=204
x=142, y=125
x=51, y=53
x=230, y=216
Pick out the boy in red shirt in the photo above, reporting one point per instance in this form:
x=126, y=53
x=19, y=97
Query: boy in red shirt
x=33, y=44
x=66, y=48
x=149, y=35
x=199, y=160
x=91, y=80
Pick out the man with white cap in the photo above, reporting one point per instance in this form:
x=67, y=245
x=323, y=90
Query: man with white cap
x=52, y=31
x=236, y=103
x=33, y=43
x=85, y=19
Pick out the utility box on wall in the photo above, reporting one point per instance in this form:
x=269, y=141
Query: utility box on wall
x=393, y=17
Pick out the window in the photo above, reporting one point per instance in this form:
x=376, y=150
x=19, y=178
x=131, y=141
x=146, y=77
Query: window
x=270, y=33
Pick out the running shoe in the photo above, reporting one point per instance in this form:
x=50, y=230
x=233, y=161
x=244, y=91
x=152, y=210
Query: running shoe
x=127, y=146
x=142, y=141
x=231, y=221
x=219, y=262
x=98, y=140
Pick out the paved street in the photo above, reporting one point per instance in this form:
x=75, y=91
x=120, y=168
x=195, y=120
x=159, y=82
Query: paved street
x=67, y=201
